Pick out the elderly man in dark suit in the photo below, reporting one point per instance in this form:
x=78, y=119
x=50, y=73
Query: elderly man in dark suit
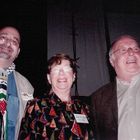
x=116, y=105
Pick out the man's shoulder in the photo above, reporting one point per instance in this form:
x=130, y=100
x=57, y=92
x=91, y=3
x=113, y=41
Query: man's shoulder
x=20, y=77
x=107, y=88
x=18, y=74
x=22, y=81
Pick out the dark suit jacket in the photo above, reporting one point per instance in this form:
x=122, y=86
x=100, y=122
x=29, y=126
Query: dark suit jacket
x=105, y=111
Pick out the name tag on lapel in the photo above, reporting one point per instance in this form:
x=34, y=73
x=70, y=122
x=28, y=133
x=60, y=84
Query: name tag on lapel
x=81, y=118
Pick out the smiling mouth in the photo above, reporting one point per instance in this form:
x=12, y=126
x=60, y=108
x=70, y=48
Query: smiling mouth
x=62, y=80
x=4, y=55
x=131, y=61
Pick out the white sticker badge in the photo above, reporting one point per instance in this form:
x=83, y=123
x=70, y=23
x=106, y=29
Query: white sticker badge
x=81, y=118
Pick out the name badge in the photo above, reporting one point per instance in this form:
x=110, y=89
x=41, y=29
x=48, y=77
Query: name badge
x=81, y=118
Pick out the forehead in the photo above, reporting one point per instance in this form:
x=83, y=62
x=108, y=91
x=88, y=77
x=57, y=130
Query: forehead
x=10, y=32
x=63, y=63
x=125, y=42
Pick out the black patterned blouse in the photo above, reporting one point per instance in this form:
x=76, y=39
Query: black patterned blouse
x=51, y=119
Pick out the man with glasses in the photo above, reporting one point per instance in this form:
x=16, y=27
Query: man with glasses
x=117, y=104
x=15, y=89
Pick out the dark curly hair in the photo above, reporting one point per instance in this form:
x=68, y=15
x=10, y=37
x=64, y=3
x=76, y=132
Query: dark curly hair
x=57, y=59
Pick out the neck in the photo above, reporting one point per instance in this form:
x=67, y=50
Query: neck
x=127, y=79
x=4, y=65
x=63, y=95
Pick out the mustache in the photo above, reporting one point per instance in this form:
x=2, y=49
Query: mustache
x=3, y=45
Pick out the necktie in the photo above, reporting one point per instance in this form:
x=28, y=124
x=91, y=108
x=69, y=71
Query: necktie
x=3, y=101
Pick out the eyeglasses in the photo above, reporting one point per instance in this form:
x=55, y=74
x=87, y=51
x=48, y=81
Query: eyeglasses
x=125, y=50
x=5, y=39
x=65, y=69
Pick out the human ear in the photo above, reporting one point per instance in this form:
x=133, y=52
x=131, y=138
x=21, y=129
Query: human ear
x=18, y=51
x=111, y=62
x=48, y=77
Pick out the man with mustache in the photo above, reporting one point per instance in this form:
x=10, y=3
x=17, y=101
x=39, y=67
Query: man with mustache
x=15, y=89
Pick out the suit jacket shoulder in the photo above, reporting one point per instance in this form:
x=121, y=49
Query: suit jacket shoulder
x=104, y=105
x=105, y=90
x=23, y=84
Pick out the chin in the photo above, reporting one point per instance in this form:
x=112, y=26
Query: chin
x=134, y=73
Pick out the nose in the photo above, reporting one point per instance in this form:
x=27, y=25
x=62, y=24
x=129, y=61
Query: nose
x=6, y=47
x=8, y=43
x=130, y=51
x=61, y=71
